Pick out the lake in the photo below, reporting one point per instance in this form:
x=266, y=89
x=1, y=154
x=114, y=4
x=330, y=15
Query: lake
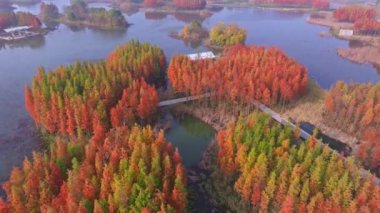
x=18, y=63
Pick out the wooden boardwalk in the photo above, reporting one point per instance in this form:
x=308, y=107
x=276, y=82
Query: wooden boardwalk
x=275, y=116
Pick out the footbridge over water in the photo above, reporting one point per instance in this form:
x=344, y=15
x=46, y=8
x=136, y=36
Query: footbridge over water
x=303, y=134
x=182, y=100
x=275, y=116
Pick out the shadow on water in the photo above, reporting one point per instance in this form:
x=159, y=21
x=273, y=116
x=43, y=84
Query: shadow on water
x=190, y=135
x=331, y=142
x=356, y=44
x=155, y=15
x=377, y=67
x=191, y=143
x=190, y=17
x=33, y=43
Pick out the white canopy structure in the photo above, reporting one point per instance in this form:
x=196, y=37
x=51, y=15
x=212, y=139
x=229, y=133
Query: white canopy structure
x=14, y=29
x=201, y=55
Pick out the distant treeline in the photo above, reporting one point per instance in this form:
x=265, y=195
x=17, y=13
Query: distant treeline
x=363, y=17
x=10, y=19
x=78, y=11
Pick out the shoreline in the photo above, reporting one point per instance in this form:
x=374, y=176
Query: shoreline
x=369, y=53
x=300, y=111
x=90, y=25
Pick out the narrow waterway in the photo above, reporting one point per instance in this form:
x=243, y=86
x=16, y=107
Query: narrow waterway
x=190, y=135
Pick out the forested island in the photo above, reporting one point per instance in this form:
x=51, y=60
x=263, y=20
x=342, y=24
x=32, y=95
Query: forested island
x=220, y=36
x=78, y=13
x=95, y=118
x=104, y=151
x=192, y=33
x=10, y=19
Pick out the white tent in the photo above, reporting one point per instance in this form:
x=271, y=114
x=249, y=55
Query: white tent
x=202, y=55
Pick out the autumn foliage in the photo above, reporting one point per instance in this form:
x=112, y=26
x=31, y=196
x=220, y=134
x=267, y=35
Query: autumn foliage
x=124, y=169
x=75, y=99
x=139, y=59
x=367, y=25
x=241, y=74
x=10, y=19
x=320, y=4
x=227, y=35
x=354, y=13
x=152, y=3
x=193, y=32
x=129, y=170
x=190, y=4
x=7, y=20
x=139, y=101
x=272, y=170
x=27, y=19
x=355, y=109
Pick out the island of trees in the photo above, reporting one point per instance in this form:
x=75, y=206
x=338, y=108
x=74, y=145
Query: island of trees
x=78, y=13
x=77, y=99
x=103, y=156
x=193, y=32
x=219, y=37
x=11, y=19
x=91, y=167
x=226, y=35
x=238, y=75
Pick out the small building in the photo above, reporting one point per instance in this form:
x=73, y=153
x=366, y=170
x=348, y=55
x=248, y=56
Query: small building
x=201, y=55
x=346, y=32
x=17, y=33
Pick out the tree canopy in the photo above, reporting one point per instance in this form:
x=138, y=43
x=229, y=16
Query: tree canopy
x=75, y=99
x=125, y=170
x=355, y=109
x=226, y=35
x=273, y=170
x=242, y=74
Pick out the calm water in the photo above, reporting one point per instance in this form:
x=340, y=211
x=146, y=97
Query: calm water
x=65, y=45
x=191, y=136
